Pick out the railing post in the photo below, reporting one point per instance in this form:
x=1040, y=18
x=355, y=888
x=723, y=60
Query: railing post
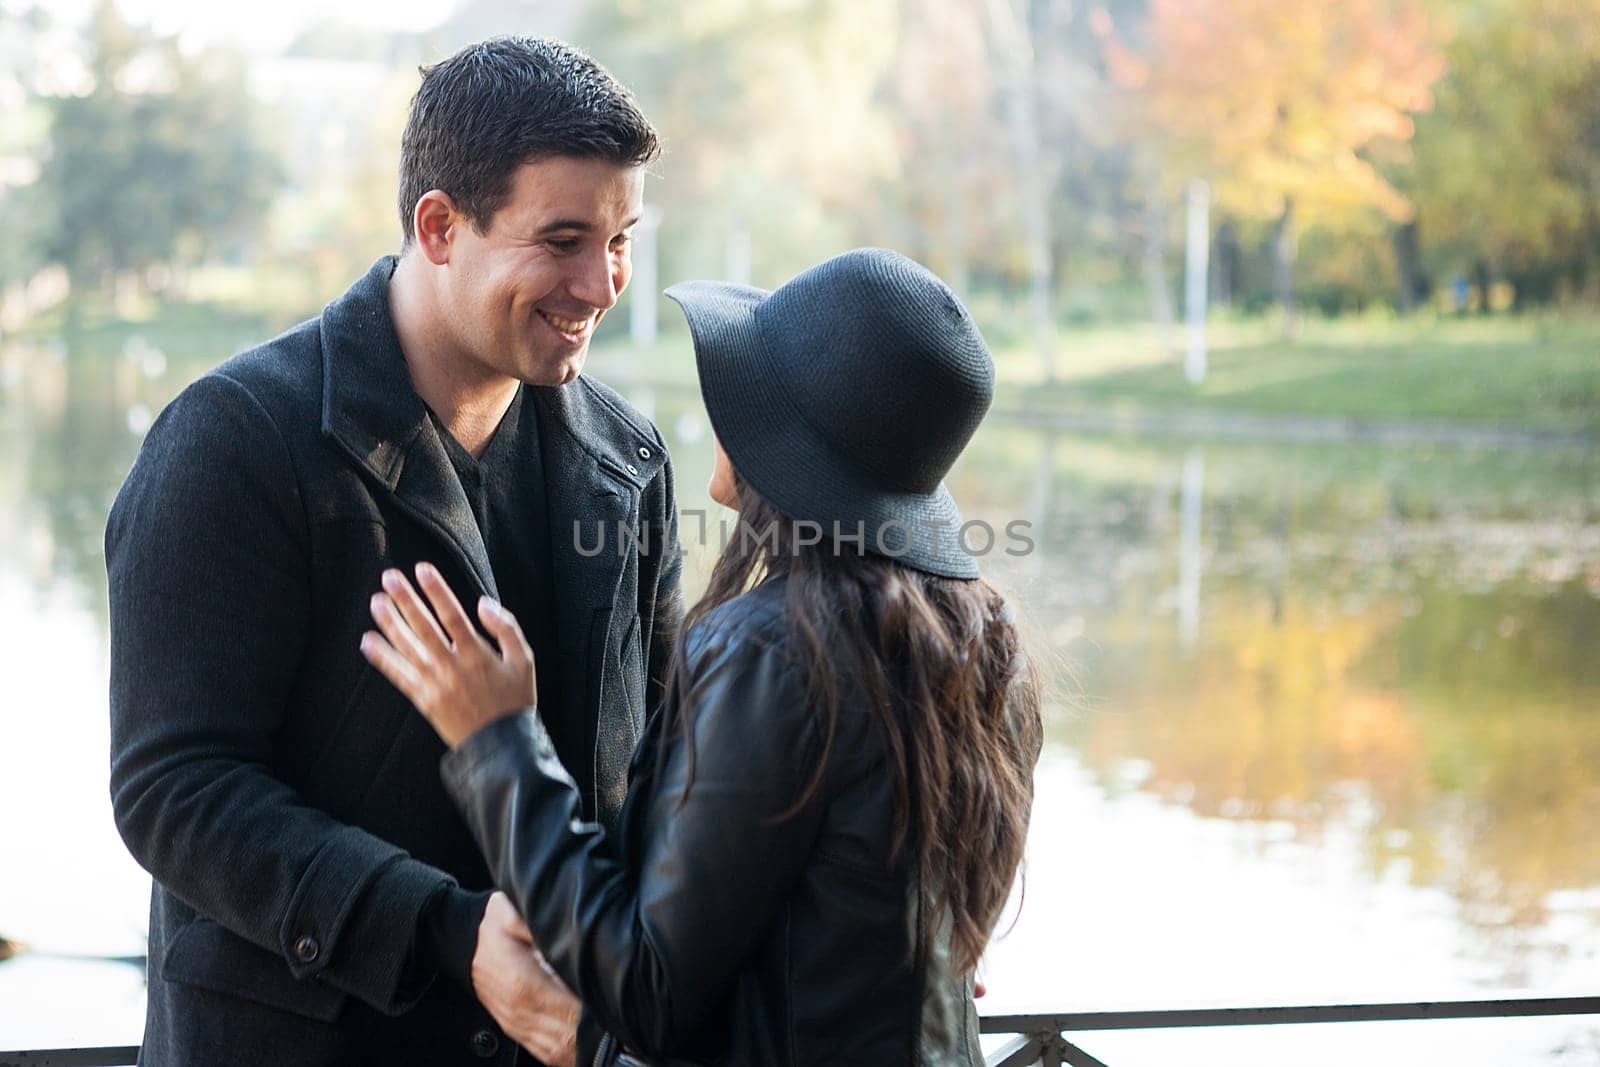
x=1072, y=1054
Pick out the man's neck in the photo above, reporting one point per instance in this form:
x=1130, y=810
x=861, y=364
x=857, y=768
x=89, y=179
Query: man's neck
x=469, y=400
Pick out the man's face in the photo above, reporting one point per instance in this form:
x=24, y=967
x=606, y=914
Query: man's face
x=524, y=297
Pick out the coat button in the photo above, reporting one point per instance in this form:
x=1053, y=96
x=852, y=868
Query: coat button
x=632, y=469
x=644, y=453
x=306, y=948
x=485, y=1043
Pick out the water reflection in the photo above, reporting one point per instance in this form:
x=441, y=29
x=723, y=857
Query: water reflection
x=1374, y=662
x=1378, y=645
x=1190, y=564
x=72, y=414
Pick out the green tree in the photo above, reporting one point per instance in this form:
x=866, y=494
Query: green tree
x=1507, y=171
x=23, y=35
x=158, y=163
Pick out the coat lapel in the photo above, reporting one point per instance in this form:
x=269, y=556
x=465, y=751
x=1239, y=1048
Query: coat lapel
x=429, y=487
x=371, y=411
x=586, y=505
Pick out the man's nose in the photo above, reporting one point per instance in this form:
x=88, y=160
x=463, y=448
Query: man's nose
x=595, y=282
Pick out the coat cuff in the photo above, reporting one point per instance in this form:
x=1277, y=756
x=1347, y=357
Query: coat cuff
x=447, y=937
x=354, y=916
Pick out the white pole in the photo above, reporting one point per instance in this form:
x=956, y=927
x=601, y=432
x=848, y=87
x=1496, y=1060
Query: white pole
x=1198, y=244
x=737, y=253
x=646, y=278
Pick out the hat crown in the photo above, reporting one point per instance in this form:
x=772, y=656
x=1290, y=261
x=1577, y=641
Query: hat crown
x=845, y=396
x=883, y=363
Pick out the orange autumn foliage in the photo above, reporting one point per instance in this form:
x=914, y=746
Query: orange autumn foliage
x=1280, y=101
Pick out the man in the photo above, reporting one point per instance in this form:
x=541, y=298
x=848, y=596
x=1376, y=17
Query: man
x=317, y=899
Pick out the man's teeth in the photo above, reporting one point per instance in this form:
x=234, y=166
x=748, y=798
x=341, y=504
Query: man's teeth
x=567, y=325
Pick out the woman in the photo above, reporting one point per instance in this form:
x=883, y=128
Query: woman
x=825, y=819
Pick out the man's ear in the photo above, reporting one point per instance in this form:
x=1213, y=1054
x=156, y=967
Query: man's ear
x=434, y=221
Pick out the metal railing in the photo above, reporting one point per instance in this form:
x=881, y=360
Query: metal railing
x=111, y=1056
x=1042, y=1040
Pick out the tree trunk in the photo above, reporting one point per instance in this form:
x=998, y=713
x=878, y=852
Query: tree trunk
x=1414, y=285
x=1480, y=270
x=1226, y=265
x=1155, y=265
x=1011, y=50
x=1284, y=246
x=1589, y=284
x=1197, y=258
x=955, y=227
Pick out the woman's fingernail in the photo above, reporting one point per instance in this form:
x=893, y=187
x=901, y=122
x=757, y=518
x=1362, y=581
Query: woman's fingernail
x=390, y=578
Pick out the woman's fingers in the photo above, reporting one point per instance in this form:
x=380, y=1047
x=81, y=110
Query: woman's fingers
x=415, y=613
x=447, y=607
x=398, y=632
x=393, y=666
x=464, y=683
x=506, y=630
x=516, y=656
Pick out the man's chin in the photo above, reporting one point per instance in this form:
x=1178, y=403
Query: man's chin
x=562, y=372
x=570, y=371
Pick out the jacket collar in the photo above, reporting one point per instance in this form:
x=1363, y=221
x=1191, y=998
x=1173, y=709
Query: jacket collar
x=593, y=449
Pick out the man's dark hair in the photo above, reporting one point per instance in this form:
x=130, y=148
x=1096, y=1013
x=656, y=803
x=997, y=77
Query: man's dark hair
x=498, y=104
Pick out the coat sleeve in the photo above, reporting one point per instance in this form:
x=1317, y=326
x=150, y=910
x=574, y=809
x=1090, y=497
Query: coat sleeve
x=651, y=942
x=207, y=555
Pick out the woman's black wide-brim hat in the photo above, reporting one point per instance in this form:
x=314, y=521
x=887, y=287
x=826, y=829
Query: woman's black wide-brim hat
x=844, y=396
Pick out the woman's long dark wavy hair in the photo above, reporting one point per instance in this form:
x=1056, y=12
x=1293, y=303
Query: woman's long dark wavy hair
x=954, y=693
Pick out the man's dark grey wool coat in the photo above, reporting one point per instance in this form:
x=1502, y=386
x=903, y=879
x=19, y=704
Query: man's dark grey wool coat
x=286, y=798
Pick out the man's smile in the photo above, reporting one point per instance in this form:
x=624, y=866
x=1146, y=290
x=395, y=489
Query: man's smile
x=572, y=330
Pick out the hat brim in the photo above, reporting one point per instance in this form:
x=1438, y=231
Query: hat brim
x=792, y=466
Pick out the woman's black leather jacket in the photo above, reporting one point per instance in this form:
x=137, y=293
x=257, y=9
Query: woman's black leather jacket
x=712, y=929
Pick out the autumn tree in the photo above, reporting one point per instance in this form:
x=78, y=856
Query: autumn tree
x=952, y=152
x=1282, y=106
x=1007, y=147
x=769, y=113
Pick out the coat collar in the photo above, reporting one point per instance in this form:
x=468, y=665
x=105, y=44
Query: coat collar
x=593, y=449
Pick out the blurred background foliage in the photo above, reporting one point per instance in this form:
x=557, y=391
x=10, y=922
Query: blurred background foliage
x=1374, y=158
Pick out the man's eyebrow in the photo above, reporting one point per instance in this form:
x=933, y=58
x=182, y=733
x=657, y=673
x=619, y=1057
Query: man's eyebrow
x=565, y=224
x=578, y=226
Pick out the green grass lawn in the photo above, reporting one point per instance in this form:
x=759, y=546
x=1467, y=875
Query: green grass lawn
x=1534, y=372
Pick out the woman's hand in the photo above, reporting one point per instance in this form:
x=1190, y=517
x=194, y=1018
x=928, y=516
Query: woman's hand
x=459, y=681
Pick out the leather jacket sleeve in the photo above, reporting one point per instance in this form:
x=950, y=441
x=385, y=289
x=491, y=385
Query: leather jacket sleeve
x=650, y=940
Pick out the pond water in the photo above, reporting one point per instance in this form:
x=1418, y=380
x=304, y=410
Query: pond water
x=1324, y=722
